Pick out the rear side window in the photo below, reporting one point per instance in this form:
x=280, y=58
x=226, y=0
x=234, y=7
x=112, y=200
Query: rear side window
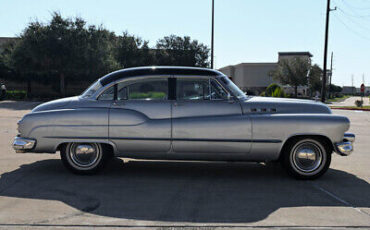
x=154, y=89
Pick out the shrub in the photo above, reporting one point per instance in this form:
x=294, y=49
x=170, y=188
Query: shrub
x=16, y=94
x=359, y=103
x=270, y=89
x=274, y=90
x=278, y=92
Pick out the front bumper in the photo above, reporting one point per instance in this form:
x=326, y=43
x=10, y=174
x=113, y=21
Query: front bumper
x=21, y=144
x=345, y=147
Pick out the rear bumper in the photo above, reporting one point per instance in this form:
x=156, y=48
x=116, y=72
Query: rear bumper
x=22, y=145
x=345, y=147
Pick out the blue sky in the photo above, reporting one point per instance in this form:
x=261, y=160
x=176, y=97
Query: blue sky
x=245, y=30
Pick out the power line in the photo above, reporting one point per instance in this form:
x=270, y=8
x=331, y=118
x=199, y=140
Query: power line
x=357, y=8
x=354, y=21
x=350, y=29
x=355, y=16
x=354, y=13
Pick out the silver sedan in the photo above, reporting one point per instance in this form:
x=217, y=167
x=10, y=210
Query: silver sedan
x=183, y=113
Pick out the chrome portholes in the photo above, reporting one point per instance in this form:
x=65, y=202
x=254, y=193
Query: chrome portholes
x=85, y=155
x=307, y=156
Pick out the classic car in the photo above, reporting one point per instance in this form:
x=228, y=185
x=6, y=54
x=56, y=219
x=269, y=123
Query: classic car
x=183, y=113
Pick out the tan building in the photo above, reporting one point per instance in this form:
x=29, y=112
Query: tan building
x=255, y=77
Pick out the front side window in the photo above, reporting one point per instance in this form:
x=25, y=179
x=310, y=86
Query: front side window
x=199, y=89
x=192, y=89
x=156, y=89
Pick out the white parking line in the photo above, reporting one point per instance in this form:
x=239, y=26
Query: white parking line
x=340, y=199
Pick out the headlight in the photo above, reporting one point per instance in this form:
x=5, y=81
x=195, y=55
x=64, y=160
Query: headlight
x=18, y=126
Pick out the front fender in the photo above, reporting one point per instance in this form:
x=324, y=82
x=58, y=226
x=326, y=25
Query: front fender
x=284, y=126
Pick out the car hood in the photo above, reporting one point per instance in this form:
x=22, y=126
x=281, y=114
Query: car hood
x=283, y=105
x=55, y=104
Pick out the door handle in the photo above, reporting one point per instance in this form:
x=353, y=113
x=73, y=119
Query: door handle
x=116, y=103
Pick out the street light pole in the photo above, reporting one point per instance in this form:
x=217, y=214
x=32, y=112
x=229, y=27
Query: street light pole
x=212, y=39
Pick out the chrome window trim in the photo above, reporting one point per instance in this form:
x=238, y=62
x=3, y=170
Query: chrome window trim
x=131, y=79
x=144, y=80
x=136, y=78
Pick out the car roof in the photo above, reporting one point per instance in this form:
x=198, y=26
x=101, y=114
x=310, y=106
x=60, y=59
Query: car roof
x=157, y=70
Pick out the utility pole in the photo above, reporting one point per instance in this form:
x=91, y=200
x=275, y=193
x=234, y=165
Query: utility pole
x=323, y=88
x=213, y=30
x=331, y=73
x=352, y=85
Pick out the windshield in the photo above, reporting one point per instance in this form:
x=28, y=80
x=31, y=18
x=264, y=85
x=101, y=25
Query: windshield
x=233, y=88
x=92, y=89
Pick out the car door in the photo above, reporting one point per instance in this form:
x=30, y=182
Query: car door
x=140, y=118
x=205, y=120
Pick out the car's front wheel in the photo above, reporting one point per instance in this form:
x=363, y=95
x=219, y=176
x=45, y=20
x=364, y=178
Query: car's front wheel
x=306, y=158
x=83, y=158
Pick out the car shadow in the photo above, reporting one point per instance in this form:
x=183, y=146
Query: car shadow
x=198, y=192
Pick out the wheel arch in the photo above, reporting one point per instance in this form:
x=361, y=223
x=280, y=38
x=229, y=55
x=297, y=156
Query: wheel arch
x=105, y=144
x=327, y=142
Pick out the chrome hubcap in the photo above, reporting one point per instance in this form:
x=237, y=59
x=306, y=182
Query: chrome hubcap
x=307, y=157
x=84, y=154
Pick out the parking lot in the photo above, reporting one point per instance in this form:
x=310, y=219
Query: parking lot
x=36, y=191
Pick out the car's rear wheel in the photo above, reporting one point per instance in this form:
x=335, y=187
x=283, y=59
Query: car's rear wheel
x=306, y=158
x=83, y=158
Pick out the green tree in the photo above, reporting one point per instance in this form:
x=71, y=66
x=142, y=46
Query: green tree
x=64, y=47
x=133, y=51
x=5, y=60
x=176, y=50
x=292, y=72
x=335, y=89
x=315, y=79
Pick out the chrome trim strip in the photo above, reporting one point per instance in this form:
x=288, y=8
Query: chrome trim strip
x=174, y=139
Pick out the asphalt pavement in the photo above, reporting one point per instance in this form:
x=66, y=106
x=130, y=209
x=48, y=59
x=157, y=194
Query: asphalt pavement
x=37, y=192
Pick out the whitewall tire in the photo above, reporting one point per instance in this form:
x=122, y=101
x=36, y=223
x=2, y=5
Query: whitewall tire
x=83, y=158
